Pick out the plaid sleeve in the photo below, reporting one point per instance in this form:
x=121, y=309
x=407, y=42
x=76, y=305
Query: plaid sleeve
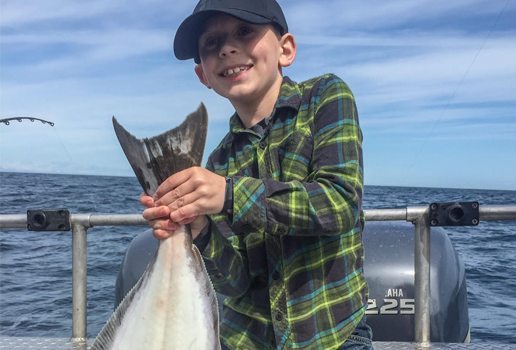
x=328, y=200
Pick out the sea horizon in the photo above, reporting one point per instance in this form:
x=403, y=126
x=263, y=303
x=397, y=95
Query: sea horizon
x=366, y=185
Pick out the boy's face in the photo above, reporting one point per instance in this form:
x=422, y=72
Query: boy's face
x=242, y=61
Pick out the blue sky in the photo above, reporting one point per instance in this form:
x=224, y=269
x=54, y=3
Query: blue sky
x=435, y=83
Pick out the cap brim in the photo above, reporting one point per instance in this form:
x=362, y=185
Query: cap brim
x=187, y=35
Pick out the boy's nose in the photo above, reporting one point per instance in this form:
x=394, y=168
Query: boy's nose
x=227, y=49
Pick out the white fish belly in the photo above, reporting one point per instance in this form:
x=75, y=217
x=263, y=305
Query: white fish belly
x=172, y=309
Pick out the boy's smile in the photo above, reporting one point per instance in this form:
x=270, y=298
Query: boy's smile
x=232, y=72
x=242, y=61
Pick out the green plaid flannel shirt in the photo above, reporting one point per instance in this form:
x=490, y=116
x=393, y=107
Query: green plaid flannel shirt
x=290, y=259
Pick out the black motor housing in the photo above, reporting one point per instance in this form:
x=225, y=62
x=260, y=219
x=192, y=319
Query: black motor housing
x=389, y=271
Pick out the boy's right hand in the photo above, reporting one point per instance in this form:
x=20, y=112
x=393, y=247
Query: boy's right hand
x=160, y=222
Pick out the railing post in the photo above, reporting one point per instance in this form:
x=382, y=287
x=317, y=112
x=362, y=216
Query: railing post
x=419, y=217
x=79, y=282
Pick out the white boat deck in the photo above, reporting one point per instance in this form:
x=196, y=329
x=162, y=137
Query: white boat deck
x=11, y=343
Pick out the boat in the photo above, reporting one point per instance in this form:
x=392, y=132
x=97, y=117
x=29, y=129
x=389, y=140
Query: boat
x=417, y=284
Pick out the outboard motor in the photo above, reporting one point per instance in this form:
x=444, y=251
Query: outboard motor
x=139, y=254
x=389, y=271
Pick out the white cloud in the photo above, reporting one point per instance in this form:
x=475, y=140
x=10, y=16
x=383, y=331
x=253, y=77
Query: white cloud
x=16, y=13
x=88, y=47
x=307, y=17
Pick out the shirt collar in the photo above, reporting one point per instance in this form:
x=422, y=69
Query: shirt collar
x=289, y=97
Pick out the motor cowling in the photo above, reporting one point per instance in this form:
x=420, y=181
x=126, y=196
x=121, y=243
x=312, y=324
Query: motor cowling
x=389, y=271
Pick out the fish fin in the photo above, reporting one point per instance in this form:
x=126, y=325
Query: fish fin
x=106, y=336
x=211, y=291
x=154, y=159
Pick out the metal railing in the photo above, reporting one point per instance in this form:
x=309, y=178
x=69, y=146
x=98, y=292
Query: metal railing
x=80, y=224
x=418, y=215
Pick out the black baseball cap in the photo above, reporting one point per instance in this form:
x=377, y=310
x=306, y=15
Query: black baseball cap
x=252, y=11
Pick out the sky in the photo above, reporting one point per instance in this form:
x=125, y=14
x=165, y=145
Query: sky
x=434, y=82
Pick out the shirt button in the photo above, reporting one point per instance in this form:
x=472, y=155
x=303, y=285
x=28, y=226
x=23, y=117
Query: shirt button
x=278, y=317
x=263, y=144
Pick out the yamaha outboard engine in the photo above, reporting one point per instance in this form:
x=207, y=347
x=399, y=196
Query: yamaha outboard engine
x=389, y=270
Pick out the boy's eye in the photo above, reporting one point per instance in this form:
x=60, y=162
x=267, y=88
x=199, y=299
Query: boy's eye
x=244, y=30
x=210, y=43
x=213, y=42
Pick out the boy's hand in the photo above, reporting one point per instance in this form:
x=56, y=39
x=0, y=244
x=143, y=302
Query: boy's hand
x=160, y=222
x=191, y=193
x=158, y=218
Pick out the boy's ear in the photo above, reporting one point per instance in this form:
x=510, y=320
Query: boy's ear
x=200, y=74
x=288, y=50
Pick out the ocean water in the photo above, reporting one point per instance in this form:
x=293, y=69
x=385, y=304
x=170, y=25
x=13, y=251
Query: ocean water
x=35, y=267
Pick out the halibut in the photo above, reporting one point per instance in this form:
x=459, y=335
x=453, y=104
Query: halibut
x=174, y=304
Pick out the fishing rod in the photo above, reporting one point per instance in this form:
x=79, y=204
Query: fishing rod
x=7, y=121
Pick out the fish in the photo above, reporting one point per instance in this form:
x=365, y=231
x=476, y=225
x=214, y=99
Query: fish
x=174, y=304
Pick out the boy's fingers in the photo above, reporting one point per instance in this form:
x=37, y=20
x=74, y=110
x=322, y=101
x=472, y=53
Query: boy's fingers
x=154, y=213
x=185, y=200
x=163, y=228
x=184, y=213
x=146, y=201
x=188, y=221
x=162, y=234
x=171, y=183
x=166, y=225
x=175, y=194
x=158, y=218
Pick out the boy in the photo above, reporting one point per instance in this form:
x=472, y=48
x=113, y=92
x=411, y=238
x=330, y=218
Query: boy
x=277, y=211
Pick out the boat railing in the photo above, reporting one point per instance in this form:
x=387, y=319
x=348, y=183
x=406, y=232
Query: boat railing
x=423, y=218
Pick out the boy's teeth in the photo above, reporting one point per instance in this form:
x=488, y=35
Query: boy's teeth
x=232, y=71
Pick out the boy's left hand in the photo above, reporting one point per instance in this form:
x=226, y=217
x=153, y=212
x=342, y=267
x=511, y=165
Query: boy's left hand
x=190, y=193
